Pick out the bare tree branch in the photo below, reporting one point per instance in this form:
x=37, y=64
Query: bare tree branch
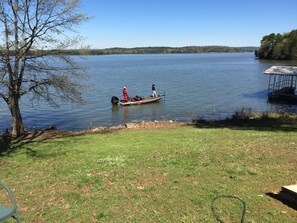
x=29, y=27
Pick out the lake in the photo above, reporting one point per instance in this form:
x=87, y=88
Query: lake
x=212, y=86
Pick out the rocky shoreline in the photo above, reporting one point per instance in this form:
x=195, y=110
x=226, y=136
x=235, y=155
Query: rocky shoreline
x=241, y=118
x=52, y=132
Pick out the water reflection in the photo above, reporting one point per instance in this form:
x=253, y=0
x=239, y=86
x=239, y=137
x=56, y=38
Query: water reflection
x=126, y=114
x=115, y=108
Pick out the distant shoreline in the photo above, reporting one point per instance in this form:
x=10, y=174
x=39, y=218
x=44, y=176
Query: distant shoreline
x=154, y=50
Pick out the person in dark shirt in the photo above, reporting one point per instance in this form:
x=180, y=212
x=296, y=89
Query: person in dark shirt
x=154, y=93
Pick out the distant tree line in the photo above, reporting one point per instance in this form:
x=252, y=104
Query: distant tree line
x=278, y=46
x=142, y=50
x=156, y=50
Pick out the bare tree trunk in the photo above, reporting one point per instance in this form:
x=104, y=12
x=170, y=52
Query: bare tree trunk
x=17, y=121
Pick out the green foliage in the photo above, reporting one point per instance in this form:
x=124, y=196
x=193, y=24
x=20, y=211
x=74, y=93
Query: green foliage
x=278, y=47
x=102, y=214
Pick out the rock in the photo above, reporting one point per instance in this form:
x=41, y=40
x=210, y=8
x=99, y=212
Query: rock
x=130, y=125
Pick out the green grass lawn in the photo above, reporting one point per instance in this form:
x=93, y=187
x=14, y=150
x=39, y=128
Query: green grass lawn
x=155, y=175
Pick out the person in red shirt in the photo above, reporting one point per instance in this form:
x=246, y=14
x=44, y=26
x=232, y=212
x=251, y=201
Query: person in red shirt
x=125, y=94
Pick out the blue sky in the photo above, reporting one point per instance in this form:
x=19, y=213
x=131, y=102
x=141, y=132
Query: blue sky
x=176, y=23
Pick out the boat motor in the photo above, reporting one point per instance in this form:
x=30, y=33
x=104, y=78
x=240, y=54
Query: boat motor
x=114, y=100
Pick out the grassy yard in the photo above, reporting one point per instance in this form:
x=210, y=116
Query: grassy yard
x=155, y=175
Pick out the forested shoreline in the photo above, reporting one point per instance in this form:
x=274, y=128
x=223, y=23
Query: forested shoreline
x=156, y=50
x=142, y=50
x=278, y=46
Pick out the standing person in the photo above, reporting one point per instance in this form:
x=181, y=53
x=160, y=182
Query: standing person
x=154, y=93
x=125, y=94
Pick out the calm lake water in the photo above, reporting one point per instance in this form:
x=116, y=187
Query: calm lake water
x=196, y=85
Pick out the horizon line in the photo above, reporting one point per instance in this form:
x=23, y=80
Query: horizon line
x=119, y=47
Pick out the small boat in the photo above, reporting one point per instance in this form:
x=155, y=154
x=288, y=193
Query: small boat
x=137, y=100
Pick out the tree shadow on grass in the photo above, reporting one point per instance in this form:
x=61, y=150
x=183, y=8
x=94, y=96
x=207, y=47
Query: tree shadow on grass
x=8, y=145
x=260, y=124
